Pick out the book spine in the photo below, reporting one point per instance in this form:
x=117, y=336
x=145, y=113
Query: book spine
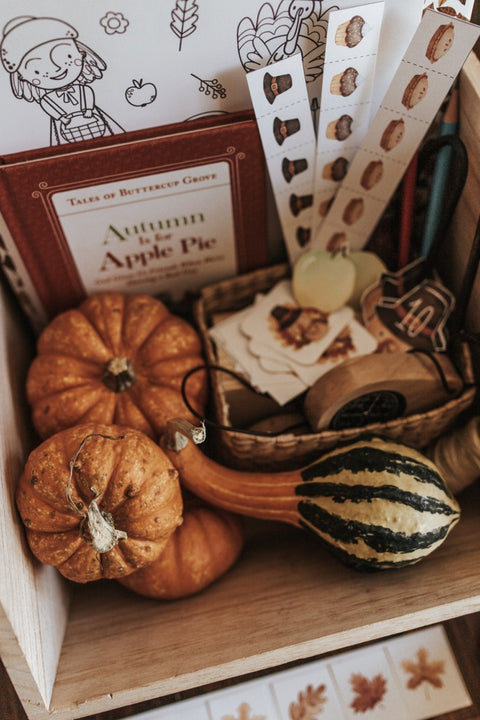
x=17, y=275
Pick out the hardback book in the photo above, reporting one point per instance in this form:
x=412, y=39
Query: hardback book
x=164, y=211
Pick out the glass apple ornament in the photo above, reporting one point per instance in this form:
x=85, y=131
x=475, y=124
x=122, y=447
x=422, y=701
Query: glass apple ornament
x=323, y=280
x=368, y=268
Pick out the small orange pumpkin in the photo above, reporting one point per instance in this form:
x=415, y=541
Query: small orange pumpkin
x=201, y=550
x=98, y=501
x=116, y=359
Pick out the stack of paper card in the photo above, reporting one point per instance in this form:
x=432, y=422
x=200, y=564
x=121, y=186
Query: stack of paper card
x=282, y=348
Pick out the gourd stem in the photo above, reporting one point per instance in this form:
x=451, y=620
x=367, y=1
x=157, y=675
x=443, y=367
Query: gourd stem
x=119, y=374
x=268, y=496
x=97, y=528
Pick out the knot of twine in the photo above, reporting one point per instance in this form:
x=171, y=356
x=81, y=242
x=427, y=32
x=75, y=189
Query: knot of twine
x=97, y=528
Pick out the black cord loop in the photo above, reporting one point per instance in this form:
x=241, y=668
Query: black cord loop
x=212, y=423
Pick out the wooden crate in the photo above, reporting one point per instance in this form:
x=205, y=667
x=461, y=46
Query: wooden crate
x=72, y=651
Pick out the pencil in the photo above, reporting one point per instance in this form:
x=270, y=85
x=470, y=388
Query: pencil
x=440, y=176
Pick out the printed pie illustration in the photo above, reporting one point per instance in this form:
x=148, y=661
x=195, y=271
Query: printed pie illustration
x=325, y=206
x=372, y=174
x=299, y=326
x=340, y=129
x=440, y=42
x=335, y=170
x=336, y=241
x=353, y=211
x=392, y=135
x=350, y=33
x=344, y=83
x=415, y=90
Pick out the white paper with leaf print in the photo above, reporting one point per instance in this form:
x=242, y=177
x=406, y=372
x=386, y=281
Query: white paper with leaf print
x=152, y=63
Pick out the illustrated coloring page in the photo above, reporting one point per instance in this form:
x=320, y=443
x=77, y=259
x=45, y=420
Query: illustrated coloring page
x=75, y=70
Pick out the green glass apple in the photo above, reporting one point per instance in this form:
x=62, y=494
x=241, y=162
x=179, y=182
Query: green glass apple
x=323, y=280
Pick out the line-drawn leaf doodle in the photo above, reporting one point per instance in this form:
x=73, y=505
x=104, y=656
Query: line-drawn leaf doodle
x=184, y=19
x=211, y=87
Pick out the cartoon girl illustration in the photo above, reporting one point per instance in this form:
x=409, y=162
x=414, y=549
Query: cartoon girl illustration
x=49, y=65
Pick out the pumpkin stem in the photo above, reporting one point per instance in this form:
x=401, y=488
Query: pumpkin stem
x=118, y=374
x=180, y=431
x=97, y=528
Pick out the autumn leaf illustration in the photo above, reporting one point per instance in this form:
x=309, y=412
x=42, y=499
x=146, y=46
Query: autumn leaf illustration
x=309, y=705
x=184, y=19
x=244, y=713
x=423, y=671
x=367, y=692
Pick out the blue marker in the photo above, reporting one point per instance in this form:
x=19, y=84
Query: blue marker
x=440, y=176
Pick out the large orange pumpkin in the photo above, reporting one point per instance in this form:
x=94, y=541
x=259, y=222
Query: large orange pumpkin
x=116, y=359
x=98, y=501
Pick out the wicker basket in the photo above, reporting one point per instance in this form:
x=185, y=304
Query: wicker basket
x=246, y=450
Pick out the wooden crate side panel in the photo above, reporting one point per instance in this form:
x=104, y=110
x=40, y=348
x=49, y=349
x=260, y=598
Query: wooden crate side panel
x=468, y=211
x=33, y=598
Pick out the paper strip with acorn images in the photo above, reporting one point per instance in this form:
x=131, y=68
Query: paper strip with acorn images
x=431, y=63
x=346, y=103
x=282, y=110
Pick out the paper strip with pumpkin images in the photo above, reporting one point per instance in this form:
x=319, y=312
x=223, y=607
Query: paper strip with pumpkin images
x=431, y=63
x=282, y=109
x=345, y=108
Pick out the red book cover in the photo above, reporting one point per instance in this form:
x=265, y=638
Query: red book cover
x=164, y=211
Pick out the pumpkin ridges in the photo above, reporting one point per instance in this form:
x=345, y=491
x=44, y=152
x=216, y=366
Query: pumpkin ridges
x=173, y=337
x=51, y=373
x=72, y=407
x=136, y=330
x=134, y=327
x=46, y=545
x=127, y=412
x=104, y=312
x=70, y=333
x=79, y=465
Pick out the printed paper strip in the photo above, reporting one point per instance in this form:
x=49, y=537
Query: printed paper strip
x=345, y=109
x=282, y=109
x=433, y=60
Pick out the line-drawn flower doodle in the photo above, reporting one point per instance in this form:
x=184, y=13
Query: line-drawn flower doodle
x=114, y=22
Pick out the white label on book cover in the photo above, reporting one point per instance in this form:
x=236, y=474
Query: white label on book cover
x=168, y=233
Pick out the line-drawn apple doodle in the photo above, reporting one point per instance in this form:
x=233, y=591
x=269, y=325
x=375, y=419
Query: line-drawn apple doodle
x=140, y=94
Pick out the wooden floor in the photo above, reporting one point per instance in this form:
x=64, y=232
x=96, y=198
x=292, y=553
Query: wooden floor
x=464, y=634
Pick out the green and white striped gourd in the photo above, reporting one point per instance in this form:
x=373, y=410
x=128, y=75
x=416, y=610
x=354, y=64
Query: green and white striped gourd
x=374, y=503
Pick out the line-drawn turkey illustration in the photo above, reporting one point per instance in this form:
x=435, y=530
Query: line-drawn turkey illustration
x=296, y=25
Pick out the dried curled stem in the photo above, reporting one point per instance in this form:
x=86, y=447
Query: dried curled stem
x=180, y=431
x=97, y=527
